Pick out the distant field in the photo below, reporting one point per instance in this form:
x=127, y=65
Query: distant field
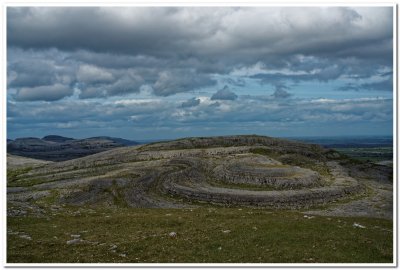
x=203, y=235
x=349, y=141
x=372, y=154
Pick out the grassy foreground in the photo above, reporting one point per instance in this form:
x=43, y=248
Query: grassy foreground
x=203, y=235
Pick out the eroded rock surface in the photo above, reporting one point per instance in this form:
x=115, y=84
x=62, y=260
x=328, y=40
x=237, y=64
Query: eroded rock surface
x=236, y=170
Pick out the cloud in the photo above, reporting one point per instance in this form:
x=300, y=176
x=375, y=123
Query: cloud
x=383, y=85
x=190, y=103
x=239, y=82
x=106, y=54
x=211, y=38
x=140, y=117
x=175, y=81
x=156, y=112
x=322, y=72
x=349, y=87
x=126, y=84
x=181, y=49
x=92, y=92
x=158, y=31
x=31, y=73
x=45, y=93
x=89, y=74
x=224, y=94
x=386, y=85
x=280, y=93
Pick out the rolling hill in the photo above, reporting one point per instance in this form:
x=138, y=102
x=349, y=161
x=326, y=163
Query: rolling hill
x=58, y=148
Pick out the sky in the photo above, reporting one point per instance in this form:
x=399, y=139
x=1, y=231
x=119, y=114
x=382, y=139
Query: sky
x=150, y=73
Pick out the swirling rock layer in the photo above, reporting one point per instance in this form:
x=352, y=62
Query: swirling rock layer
x=236, y=170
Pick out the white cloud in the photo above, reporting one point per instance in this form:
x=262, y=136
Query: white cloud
x=91, y=74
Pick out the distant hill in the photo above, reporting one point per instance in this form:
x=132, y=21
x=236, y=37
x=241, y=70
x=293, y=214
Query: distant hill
x=59, y=148
x=117, y=140
x=56, y=138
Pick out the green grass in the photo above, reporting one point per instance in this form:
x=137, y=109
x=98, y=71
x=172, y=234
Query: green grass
x=28, y=182
x=295, y=160
x=264, y=152
x=12, y=174
x=16, y=179
x=142, y=235
x=117, y=194
x=50, y=199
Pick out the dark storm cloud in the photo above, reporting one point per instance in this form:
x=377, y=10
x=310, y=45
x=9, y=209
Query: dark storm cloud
x=119, y=30
x=208, y=35
x=224, y=94
x=148, y=30
x=190, y=103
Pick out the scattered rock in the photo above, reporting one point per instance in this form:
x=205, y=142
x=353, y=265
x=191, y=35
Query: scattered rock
x=356, y=225
x=25, y=236
x=73, y=241
x=172, y=234
x=16, y=212
x=75, y=235
x=226, y=231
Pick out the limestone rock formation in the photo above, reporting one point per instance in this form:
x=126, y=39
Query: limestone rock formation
x=233, y=170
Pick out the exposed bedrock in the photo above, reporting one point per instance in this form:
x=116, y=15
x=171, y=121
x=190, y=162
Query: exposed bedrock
x=265, y=172
x=236, y=170
x=194, y=182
